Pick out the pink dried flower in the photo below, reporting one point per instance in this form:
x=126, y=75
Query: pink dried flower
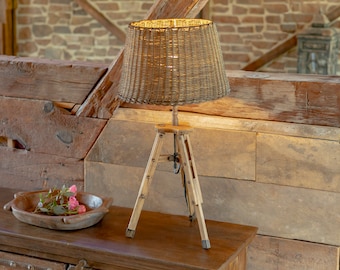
x=81, y=209
x=72, y=203
x=73, y=189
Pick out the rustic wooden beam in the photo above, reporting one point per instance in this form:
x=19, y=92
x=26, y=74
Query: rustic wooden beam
x=7, y=26
x=197, y=8
x=333, y=14
x=303, y=99
x=3, y=8
x=298, y=98
x=26, y=170
x=292, y=98
x=115, y=30
x=176, y=9
x=38, y=126
x=56, y=80
x=102, y=101
x=206, y=12
x=272, y=54
x=3, y=26
x=2, y=40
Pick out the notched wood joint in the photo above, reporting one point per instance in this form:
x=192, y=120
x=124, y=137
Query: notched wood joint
x=11, y=143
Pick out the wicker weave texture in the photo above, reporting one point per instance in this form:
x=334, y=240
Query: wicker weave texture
x=172, y=62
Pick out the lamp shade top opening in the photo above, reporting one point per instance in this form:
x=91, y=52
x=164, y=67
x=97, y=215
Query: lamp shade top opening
x=172, y=62
x=170, y=23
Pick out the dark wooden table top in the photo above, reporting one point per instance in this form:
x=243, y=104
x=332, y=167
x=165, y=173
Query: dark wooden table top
x=162, y=241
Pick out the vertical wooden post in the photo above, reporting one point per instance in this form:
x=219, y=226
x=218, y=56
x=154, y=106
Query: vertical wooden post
x=205, y=12
x=7, y=27
x=3, y=7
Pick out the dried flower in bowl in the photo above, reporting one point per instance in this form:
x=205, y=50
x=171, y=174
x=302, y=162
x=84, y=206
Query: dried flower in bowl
x=60, y=202
x=53, y=209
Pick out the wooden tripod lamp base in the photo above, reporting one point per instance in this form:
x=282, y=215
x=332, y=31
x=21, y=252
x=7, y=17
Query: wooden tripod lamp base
x=188, y=173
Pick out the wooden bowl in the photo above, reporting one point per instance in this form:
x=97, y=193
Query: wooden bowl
x=24, y=203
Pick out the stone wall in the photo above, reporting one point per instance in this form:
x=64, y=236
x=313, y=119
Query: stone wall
x=63, y=30
x=247, y=28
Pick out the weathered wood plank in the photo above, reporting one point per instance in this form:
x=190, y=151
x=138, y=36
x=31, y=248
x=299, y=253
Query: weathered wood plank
x=277, y=153
x=299, y=162
x=103, y=99
x=196, y=120
x=41, y=127
x=303, y=99
x=25, y=170
x=292, y=98
x=176, y=9
x=101, y=102
x=281, y=211
x=2, y=40
x=236, y=148
x=55, y=80
x=273, y=253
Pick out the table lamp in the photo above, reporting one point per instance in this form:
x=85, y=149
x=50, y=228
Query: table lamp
x=173, y=62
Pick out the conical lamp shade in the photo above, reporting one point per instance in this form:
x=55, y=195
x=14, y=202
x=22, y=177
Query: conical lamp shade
x=172, y=62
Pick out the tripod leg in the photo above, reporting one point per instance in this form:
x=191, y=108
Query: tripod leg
x=144, y=187
x=190, y=207
x=193, y=187
x=188, y=196
x=193, y=169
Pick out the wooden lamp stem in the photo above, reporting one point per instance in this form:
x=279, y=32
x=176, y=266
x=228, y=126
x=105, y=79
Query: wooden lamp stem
x=175, y=115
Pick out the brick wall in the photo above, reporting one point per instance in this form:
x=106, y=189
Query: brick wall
x=61, y=29
x=248, y=28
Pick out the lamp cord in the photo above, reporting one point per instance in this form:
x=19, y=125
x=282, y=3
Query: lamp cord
x=177, y=165
x=177, y=169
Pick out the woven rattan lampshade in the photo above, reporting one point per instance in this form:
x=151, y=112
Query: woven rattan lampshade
x=172, y=62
